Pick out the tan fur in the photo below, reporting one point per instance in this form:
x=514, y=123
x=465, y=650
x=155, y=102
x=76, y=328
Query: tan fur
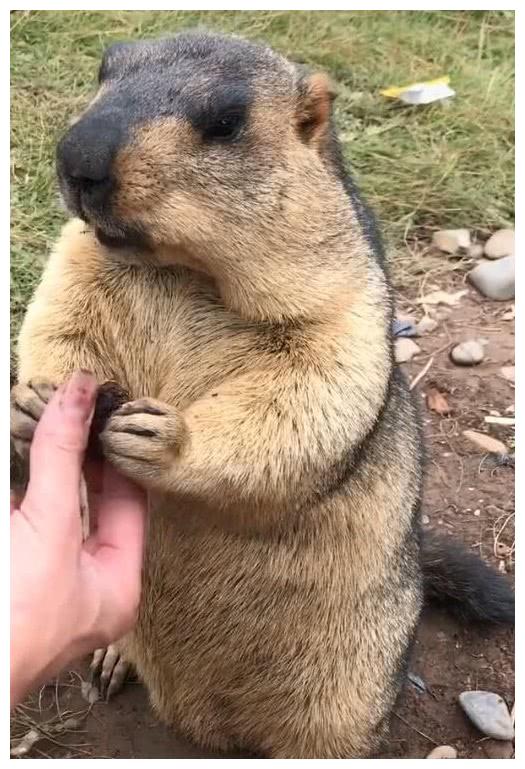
x=274, y=612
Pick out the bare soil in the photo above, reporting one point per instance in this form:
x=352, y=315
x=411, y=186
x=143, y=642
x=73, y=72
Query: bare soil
x=468, y=496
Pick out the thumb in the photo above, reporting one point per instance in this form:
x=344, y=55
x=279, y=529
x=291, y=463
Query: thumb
x=57, y=452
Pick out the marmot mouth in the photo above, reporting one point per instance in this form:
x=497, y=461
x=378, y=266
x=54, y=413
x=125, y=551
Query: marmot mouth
x=129, y=239
x=111, y=241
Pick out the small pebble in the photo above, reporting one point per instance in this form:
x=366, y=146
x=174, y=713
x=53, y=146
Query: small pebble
x=489, y=713
x=508, y=373
x=443, y=751
x=425, y=520
x=468, y=353
x=426, y=325
x=495, y=280
x=475, y=251
x=89, y=692
x=450, y=241
x=404, y=317
x=486, y=442
x=501, y=243
x=502, y=550
x=405, y=349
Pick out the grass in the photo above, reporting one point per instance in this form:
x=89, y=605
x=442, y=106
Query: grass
x=420, y=167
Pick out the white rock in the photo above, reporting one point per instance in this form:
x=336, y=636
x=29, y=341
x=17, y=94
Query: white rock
x=486, y=442
x=500, y=244
x=475, y=251
x=508, y=373
x=495, y=280
x=426, y=325
x=443, y=751
x=404, y=317
x=405, y=349
x=489, y=713
x=468, y=353
x=425, y=520
x=450, y=241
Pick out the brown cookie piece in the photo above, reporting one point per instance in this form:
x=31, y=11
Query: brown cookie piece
x=110, y=397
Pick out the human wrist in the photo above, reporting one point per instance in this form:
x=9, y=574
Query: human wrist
x=53, y=621
x=29, y=658
x=36, y=657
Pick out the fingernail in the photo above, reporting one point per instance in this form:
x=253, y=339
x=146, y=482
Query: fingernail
x=79, y=393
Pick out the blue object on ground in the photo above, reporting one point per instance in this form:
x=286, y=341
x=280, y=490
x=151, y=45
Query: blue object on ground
x=403, y=328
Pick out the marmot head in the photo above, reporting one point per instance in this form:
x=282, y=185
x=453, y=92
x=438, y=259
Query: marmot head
x=210, y=151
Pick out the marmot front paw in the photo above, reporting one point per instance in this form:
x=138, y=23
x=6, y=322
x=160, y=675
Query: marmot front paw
x=28, y=401
x=142, y=439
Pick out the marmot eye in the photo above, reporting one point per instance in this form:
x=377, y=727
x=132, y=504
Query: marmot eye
x=225, y=128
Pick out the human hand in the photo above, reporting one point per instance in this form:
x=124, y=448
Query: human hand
x=69, y=597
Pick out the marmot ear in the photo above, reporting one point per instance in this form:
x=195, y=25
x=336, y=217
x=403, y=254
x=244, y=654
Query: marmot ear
x=314, y=107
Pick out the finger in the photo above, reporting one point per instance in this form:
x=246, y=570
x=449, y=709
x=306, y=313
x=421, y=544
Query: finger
x=57, y=452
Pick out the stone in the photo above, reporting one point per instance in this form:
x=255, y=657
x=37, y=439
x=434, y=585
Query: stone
x=426, y=325
x=404, y=317
x=502, y=550
x=468, y=353
x=486, y=442
x=405, y=349
x=495, y=280
x=501, y=243
x=450, y=241
x=475, y=251
x=489, y=713
x=443, y=751
x=508, y=373
x=425, y=520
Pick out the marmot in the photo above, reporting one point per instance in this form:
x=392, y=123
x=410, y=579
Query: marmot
x=223, y=270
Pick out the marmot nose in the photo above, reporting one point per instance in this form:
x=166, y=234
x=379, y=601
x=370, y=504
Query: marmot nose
x=85, y=156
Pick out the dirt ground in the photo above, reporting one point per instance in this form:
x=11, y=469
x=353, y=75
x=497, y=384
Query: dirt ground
x=467, y=496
